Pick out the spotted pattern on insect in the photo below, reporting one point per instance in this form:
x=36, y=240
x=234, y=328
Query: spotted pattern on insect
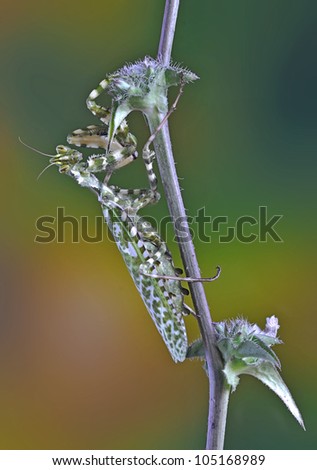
x=140, y=245
x=163, y=298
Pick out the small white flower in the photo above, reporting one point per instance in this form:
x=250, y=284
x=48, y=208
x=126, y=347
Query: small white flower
x=271, y=326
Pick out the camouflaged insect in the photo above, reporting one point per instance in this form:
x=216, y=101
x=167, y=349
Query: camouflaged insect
x=141, y=86
x=140, y=245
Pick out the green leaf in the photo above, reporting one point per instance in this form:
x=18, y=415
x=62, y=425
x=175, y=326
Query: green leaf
x=118, y=114
x=226, y=348
x=264, y=346
x=257, y=349
x=196, y=350
x=269, y=340
x=267, y=373
x=232, y=370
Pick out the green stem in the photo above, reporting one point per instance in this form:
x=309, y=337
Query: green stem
x=218, y=400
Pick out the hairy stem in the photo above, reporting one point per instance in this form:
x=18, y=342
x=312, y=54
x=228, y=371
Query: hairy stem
x=166, y=164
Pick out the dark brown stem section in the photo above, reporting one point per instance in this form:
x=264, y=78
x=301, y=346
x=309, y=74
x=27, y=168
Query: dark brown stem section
x=166, y=164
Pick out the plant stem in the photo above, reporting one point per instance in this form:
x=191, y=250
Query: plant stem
x=166, y=164
x=223, y=403
x=168, y=30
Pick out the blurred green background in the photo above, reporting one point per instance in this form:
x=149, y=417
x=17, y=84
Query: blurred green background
x=81, y=364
